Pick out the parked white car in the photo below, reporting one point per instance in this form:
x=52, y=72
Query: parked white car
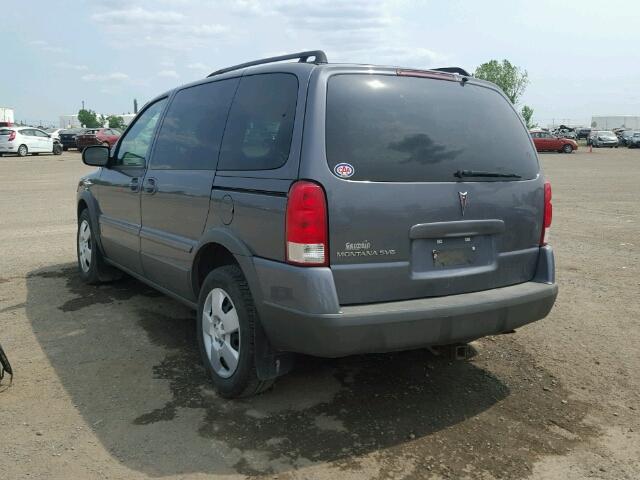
x=54, y=132
x=25, y=140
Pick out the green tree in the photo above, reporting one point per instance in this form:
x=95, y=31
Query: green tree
x=116, y=121
x=511, y=79
x=527, y=114
x=88, y=119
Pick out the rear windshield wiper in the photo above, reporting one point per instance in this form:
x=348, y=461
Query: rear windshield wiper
x=478, y=173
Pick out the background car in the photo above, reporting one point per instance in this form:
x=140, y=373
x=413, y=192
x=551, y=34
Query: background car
x=97, y=136
x=565, y=132
x=634, y=142
x=68, y=137
x=25, y=140
x=626, y=136
x=54, y=132
x=546, y=142
x=604, y=138
x=583, y=133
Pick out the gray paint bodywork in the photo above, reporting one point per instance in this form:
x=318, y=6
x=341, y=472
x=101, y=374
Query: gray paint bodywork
x=358, y=304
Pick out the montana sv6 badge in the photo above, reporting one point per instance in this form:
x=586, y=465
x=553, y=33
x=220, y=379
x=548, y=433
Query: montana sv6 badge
x=363, y=249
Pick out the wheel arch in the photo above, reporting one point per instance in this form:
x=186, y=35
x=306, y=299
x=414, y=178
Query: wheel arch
x=220, y=247
x=86, y=201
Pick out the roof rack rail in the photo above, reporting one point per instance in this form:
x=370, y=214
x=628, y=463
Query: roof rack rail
x=458, y=70
x=318, y=55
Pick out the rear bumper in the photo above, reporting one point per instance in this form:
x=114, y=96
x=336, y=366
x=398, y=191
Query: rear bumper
x=325, y=329
x=4, y=147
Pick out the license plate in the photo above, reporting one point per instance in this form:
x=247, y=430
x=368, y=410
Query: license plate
x=454, y=257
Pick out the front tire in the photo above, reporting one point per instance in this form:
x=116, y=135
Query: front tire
x=57, y=149
x=226, y=325
x=23, y=151
x=92, y=267
x=567, y=148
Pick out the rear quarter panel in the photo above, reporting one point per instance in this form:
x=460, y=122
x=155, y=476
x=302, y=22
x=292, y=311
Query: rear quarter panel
x=251, y=205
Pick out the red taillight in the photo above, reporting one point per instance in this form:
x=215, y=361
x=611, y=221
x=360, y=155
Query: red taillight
x=548, y=214
x=12, y=136
x=307, y=241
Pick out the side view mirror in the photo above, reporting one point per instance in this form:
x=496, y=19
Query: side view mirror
x=96, y=156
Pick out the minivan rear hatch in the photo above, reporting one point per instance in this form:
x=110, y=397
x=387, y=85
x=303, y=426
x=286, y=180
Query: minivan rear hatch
x=435, y=187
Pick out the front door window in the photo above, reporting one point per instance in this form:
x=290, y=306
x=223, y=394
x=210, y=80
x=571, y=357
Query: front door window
x=134, y=147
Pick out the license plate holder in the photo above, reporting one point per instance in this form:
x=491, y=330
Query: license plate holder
x=454, y=257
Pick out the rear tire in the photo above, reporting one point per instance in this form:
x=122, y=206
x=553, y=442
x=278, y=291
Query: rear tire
x=23, y=151
x=226, y=324
x=567, y=148
x=93, y=268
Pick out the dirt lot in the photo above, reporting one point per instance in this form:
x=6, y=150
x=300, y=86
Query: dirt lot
x=108, y=383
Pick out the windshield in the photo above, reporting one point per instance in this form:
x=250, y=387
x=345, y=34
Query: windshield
x=389, y=128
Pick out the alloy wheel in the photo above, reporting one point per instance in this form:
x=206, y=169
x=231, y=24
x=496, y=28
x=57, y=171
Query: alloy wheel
x=85, y=246
x=221, y=332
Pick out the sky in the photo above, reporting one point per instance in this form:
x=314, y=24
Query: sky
x=581, y=56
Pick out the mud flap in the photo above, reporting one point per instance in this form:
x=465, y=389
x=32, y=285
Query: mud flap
x=270, y=363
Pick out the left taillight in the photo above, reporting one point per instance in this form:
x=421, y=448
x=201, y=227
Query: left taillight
x=12, y=136
x=307, y=241
x=547, y=215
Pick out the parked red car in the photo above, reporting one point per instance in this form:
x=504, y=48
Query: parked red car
x=97, y=136
x=545, y=142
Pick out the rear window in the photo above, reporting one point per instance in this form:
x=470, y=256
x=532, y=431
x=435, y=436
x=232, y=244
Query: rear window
x=5, y=131
x=408, y=129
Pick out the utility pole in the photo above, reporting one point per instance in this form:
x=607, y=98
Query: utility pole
x=83, y=104
x=135, y=106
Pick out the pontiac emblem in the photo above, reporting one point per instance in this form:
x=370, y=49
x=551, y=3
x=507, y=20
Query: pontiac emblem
x=463, y=201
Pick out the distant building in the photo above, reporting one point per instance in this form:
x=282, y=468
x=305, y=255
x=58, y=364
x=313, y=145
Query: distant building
x=608, y=122
x=69, y=121
x=127, y=117
x=6, y=117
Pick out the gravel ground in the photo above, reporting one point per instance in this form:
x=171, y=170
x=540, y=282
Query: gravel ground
x=108, y=382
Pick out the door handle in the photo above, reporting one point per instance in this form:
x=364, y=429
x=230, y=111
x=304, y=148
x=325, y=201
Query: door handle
x=150, y=186
x=134, y=184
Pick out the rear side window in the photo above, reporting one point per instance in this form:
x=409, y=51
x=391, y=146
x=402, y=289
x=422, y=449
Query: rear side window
x=260, y=125
x=409, y=129
x=192, y=129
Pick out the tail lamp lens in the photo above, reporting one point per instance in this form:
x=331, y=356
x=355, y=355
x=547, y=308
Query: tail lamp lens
x=548, y=214
x=12, y=136
x=306, y=224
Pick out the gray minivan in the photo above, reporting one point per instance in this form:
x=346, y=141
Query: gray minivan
x=324, y=209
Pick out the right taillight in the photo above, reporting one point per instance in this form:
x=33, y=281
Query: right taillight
x=12, y=136
x=307, y=233
x=548, y=214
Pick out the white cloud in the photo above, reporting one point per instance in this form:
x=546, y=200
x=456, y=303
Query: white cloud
x=168, y=74
x=159, y=28
x=47, y=47
x=71, y=66
x=366, y=31
x=136, y=16
x=200, y=67
x=116, y=76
